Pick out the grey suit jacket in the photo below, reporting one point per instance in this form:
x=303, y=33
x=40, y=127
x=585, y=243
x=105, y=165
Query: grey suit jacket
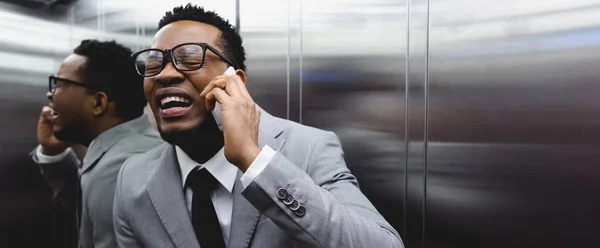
x=305, y=197
x=98, y=176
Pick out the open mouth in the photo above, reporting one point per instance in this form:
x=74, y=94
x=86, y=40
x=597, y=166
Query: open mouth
x=172, y=106
x=174, y=102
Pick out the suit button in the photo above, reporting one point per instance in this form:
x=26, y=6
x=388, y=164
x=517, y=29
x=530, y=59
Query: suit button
x=300, y=211
x=295, y=205
x=288, y=200
x=282, y=194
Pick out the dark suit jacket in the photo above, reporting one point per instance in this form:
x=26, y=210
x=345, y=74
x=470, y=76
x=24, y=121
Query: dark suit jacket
x=26, y=202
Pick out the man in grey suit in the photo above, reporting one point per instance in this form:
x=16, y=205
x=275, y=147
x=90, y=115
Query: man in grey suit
x=260, y=182
x=96, y=100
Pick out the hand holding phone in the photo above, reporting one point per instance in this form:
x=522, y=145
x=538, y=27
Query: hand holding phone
x=217, y=111
x=240, y=131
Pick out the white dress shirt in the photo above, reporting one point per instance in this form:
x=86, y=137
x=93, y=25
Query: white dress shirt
x=47, y=159
x=225, y=173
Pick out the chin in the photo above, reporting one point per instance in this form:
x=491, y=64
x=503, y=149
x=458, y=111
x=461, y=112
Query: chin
x=177, y=130
x=179, y=126
x=64, y=134
x=73, y=131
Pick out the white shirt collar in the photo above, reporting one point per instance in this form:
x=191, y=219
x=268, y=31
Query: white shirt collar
x=218, y=166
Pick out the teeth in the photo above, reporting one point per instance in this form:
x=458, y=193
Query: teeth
x=173, y=99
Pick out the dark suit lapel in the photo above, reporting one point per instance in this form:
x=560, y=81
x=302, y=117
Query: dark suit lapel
x=166, y=193
x=245, y=216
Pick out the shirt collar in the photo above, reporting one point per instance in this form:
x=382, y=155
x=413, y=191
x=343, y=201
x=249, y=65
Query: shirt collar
x=218, y=166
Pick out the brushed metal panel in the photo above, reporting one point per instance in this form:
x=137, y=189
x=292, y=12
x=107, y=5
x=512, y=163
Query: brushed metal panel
x=353, y=79
x=514, y=125
x=271, y=53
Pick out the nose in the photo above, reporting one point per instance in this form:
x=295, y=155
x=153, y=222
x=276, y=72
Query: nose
x=169, y=75
x=49, y=95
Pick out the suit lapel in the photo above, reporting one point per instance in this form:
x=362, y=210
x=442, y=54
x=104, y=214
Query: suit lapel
x=245, y=216
x=109, y=138
x=269, y=131
x=166, y=194
x=92, y=157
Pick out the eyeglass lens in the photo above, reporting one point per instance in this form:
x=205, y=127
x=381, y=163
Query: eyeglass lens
x=187, y=57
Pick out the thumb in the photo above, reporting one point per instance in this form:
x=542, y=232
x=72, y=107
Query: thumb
x=46, y=114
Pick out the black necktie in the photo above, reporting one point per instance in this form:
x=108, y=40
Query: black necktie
x=204, y=217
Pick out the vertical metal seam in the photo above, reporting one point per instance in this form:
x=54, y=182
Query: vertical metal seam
x=426, y=124
x=237, y=16
x=406, y=112
x=71, y=24
x=301, y=58
x=289, y=40
x=137, y=33
x=103, y=18
x=98, y=16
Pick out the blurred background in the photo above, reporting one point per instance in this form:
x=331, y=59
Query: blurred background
x=468, y=123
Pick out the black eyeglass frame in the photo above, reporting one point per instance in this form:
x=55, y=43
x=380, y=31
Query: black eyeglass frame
x=53, y=79
x=168, y=53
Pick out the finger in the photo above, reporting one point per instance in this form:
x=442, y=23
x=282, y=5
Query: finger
x=208, y=88
x=241, y=89
x=46, y=114
x=227, y=83
x=217, y=82
x=221, y=96
x=236, y=85
x=209, y=101
x=216, y=95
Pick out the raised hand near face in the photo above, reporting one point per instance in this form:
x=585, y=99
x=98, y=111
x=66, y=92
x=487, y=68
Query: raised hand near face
x=45, y=134
x=240, y=118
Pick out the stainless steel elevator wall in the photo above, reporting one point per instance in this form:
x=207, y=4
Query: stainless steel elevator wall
x=467, y=123
x=513, y=150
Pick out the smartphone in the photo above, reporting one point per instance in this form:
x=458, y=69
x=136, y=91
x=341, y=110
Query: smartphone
x=217, y=111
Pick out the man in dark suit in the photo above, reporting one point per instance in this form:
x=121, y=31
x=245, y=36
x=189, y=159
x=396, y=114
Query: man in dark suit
x=260, y=182
x=96, y=100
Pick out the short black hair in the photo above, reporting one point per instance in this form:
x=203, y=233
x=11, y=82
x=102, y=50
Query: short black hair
x=109, y=67
x=230, y=41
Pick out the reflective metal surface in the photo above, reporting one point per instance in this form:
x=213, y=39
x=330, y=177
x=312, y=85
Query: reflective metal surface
x=335, y=65
x=467, y=123
x=513, y=148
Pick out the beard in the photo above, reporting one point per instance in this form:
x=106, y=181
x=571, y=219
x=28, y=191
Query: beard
x=74, y=131
x=200, y=142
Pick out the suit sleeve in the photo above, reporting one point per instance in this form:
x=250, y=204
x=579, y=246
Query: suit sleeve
x=322, y=207
x=61, y=176
x=123, y=233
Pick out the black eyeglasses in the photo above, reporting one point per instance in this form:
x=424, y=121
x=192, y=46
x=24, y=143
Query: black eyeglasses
x=185, y=57
x=52, y=80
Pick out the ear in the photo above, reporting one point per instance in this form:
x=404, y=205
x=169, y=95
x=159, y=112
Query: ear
x=241, y=74
x=101, y=103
